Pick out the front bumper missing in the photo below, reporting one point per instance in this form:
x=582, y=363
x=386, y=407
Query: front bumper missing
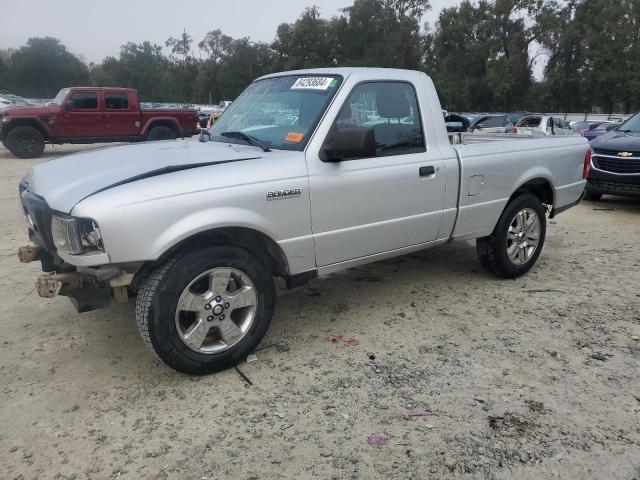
x=28, y=253
x=51, y=284
x=88, y=289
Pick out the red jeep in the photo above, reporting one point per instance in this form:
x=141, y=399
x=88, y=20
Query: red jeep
x=90, y=115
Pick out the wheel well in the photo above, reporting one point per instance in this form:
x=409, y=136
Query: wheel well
x=24, y=122
x=163, y=123
x=540, y=187
x=256, y=242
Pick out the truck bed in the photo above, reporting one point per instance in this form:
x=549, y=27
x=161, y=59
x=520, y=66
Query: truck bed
x=493, y=166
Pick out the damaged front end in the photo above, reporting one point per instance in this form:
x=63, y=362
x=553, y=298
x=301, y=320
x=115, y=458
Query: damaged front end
x=54, y=234
x=88, y=288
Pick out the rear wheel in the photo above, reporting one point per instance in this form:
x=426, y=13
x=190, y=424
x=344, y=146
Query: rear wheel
x=161, y=133
x=206, y=310
x=517, y=240
x=25, y=142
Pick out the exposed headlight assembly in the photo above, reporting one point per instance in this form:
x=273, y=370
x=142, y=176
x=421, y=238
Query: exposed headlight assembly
x=75, y=235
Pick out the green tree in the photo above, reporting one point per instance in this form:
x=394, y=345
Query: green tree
x=243, y=63
x=4, y=75
x=43, y=66
x=479, y=52
x=382, y=33
x=141, y=66
x=308, y=42
x=594, y=56
x=461, y=46
x=183, y=71
x=207, y=83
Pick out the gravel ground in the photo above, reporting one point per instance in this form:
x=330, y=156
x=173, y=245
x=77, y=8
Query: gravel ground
x=531, y=378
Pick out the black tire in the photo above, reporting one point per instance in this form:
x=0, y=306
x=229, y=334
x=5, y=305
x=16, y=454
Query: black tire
x=158, y=299
x=593, y=196
x=161, y=133
x=25, y=142
x=492, y=250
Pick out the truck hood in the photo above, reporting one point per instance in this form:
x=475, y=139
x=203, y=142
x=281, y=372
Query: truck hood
x=23, y=110
x=615, y=140
x=65, y=181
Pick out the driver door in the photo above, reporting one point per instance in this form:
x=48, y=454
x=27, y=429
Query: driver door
x=83, y=118
x=373, y=205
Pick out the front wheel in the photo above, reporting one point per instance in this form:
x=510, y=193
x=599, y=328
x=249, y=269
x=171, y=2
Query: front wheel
x=25, y=142
x=206, y=310
x=517, y=240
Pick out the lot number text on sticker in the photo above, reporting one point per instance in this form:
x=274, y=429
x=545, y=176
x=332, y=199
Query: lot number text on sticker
x=313, y=83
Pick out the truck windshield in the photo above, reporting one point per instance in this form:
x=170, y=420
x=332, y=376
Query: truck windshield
x=59, y=97
x=280, y=112
x=631, y=125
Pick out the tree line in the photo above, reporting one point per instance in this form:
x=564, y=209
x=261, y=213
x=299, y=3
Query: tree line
x=481, y=55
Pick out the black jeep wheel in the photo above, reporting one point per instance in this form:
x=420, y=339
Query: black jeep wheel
x=161, y=133
x=25, y=142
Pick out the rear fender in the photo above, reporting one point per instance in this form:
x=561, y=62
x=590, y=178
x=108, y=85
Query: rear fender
x=162, y=121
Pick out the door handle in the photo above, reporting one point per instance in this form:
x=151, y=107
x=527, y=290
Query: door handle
x=426, y=171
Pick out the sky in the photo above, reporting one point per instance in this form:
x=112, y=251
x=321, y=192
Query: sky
x=94, y=29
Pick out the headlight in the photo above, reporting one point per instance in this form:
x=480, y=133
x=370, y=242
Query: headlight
x=75, y=235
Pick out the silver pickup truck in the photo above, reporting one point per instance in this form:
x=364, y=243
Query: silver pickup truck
x=306, y=173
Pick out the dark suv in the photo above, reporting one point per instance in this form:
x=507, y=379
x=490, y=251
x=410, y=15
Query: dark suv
x=615, y=162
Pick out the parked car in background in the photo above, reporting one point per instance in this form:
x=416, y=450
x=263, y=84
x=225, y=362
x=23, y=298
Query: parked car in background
x=456, y=123
x=543, y=125
x=90, y=115
x=581, y=127
x=200, y=230
x=600, y=129
x=514, y=117
x=8, y=101
x=492, y=124
x=615, y=161
x=206, y=115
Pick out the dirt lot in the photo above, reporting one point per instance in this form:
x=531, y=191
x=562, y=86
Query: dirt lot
x=533, y=378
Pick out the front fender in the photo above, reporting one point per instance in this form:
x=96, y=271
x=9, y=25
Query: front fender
x=210, y=219
x=147, y=230
x=25, y=121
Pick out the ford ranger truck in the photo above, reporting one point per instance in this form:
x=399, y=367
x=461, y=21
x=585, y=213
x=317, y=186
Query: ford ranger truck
x=307, y=173
x=615, y=162
x=91, y=115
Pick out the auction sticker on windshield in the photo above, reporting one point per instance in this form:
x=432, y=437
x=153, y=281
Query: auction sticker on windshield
x=294, y=137
x=313, y=83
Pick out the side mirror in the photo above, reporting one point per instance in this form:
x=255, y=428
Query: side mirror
x=68, y=105
x=350, y=143
x=611, y=127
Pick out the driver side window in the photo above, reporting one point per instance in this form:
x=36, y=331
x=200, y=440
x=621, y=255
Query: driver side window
x=84, y=101
x=391, y=110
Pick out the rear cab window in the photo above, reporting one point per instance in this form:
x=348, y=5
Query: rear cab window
x=391, y=110
x=116, y=101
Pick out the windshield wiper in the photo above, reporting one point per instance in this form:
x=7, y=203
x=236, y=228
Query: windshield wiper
x=249, y=139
